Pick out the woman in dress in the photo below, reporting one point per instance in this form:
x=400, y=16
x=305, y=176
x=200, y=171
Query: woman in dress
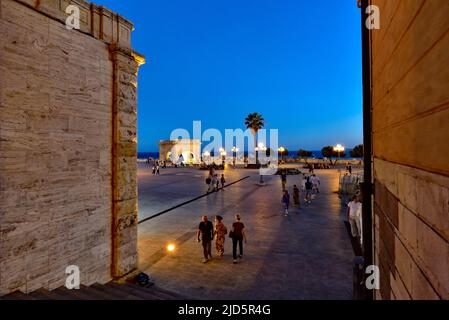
x=220, y=233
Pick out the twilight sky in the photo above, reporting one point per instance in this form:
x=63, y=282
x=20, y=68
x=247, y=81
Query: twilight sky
x=297, y=62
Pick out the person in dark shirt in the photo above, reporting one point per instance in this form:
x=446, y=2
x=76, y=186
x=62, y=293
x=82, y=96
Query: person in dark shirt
x=205, y=235
x=309, y=186
x=237, y=234
x=283, y=179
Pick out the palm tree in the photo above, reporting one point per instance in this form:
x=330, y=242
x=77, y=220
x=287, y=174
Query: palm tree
x=254, y=121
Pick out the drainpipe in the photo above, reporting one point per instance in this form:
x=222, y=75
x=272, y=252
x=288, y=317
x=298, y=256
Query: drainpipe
x=367, y=187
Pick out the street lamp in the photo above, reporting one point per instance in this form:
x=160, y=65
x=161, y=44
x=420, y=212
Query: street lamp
x=262, y=148
x=223, y=155
x=339, y=148
x=281, y=150
x=234, y=153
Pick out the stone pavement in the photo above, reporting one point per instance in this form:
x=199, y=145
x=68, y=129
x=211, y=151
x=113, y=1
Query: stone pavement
x=307, y=255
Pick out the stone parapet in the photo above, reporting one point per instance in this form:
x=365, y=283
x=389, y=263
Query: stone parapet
x=411, y=209
x=97, y=21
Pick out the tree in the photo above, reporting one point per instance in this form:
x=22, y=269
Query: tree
x=304, y=153
x=254, y=121
x=329, y=152
x=357, y=152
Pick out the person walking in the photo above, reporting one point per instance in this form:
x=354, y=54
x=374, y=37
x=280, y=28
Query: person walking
x=315, y=182
x=286, y=202
x=283, y=179
x=220, y=232
x=296, y=195
x=223, y=181
x=309, y=187
x=157, y=167
x=237, y=234
x=303, y=183
x=208, y=182
x=354, y=216
x=205, y=235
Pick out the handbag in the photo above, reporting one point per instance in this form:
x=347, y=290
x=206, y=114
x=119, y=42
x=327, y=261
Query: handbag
x=231, y=234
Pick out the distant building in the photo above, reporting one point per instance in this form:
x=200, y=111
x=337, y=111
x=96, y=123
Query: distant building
x=186, y=151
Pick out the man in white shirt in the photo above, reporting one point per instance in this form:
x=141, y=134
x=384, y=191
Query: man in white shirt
x=316, y=182
x=354, y=216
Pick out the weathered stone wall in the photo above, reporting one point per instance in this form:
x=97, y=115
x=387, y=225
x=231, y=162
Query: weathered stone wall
x=67, y=145
x=410, y=93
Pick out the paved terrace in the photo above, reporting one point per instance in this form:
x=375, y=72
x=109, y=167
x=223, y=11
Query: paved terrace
x=307, y=255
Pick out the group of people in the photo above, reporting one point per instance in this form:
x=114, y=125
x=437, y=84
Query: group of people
x=309, y=186
x=207, y=232
x=213, y=182
x=156, y=168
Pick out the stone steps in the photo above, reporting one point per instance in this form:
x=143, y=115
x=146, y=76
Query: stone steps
x=109, y=291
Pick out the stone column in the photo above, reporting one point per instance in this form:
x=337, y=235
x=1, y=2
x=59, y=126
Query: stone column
x=124, y=160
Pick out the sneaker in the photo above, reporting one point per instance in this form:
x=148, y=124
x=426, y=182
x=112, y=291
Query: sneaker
x=234, y=262
x=205, y=261
x=240, y=256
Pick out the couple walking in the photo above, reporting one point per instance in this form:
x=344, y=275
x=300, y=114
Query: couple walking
x=207, y=232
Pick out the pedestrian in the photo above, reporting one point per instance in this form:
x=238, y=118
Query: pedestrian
x=296, y=195
x=303, y=183
x=216, y=182
x=154, y=168
x=237, y=234
x=309, y=187
x=205, y=235
x=220, y=232
x=350, y=168
x=283, y=179
x=208, y=182
x=354, y=216
x=286, y=202
x=222, y=180
x=315, y=182
x=157, y=167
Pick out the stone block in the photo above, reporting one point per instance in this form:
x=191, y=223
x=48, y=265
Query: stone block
x=408, y=222
x=433, y=251
x=433, y=205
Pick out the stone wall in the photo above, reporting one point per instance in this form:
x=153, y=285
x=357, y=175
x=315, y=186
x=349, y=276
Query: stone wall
x=67, y=145
x=410, y=77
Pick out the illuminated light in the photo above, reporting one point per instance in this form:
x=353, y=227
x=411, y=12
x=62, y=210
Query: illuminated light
x=171, y=247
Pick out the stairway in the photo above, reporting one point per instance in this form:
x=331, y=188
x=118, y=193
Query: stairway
x=109, y=291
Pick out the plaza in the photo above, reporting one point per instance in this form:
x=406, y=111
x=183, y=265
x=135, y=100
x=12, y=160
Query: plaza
x=307, y=255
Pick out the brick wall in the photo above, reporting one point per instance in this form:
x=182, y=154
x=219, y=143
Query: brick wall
x=65, y=111
x=410, y=91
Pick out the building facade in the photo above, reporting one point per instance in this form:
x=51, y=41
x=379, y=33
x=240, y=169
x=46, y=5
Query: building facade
x=186, y=151
x=410, y=135
x=68, y=191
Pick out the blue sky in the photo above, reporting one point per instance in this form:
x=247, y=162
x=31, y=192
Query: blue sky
x=298, y=62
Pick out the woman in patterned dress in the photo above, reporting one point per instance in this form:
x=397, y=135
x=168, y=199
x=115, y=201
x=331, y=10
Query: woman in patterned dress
x=220, y=233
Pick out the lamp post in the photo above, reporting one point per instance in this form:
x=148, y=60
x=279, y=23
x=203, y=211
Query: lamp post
x=261, y=148
x=281, y=150
x=234, y=153
x=339, y=148
x=223, y=155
